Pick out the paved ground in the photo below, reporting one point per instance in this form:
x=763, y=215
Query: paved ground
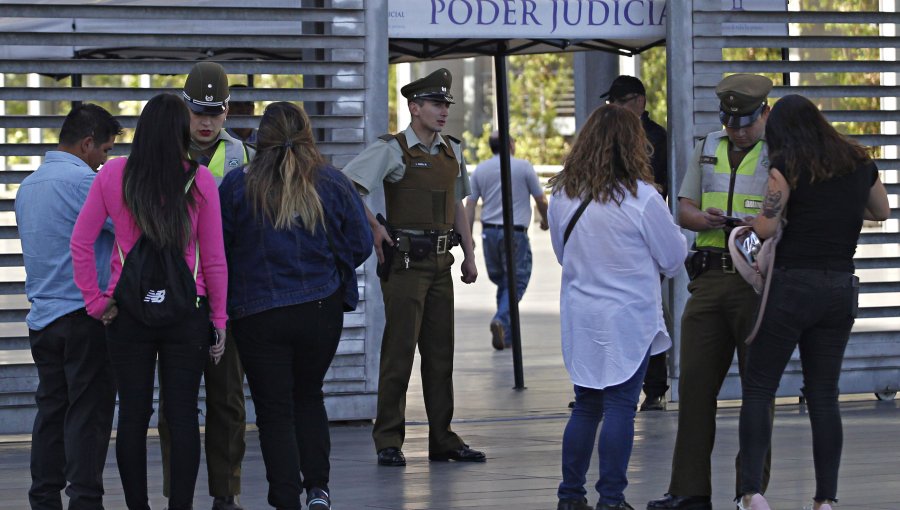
x=521, y=432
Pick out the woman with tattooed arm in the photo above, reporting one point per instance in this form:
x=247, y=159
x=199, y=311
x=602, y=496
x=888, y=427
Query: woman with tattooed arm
x=824, y=185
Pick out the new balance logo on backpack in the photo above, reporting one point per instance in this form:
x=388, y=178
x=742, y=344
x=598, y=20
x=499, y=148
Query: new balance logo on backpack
x=155, y=296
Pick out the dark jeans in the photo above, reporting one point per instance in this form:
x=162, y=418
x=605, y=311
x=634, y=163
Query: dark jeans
x=182, y=350
x=814, y=309
x=75, y=401
x=286, y=352
x=616, y=406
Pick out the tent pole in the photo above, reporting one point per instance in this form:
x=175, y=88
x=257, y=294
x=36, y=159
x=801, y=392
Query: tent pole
x=502, y=98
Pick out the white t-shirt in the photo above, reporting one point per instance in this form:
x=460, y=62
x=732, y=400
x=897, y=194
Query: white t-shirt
x=485, y=184
x=610, y=304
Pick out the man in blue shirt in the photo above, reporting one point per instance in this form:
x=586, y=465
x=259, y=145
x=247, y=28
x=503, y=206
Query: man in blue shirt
x=76, y=394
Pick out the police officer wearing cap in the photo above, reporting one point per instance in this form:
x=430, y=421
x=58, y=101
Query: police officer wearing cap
x=424, y=180
x=206, y=95
x=722, y=188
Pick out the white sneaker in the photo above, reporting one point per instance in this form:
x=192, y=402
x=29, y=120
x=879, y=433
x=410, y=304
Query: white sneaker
x=757, y=502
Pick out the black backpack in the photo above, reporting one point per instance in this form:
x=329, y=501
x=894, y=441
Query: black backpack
x=156, y=286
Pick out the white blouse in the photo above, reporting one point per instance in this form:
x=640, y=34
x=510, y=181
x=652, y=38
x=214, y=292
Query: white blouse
x=610, y=303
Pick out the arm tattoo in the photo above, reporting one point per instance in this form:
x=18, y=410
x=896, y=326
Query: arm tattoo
x=772, y=204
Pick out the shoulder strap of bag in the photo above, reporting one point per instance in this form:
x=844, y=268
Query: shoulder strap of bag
x=770, y=267
x=574, y=219
x=187, y=188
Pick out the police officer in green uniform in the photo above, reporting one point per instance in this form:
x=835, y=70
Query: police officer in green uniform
x=723, y=186
x=206, y=94
x=424, y=179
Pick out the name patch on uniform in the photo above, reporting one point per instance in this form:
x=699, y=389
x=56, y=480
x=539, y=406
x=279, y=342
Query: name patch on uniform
x=752, y=204
x=421, y=164
x=708, y=160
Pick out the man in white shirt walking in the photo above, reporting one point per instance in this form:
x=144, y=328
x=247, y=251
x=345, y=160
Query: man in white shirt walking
x=485, y=184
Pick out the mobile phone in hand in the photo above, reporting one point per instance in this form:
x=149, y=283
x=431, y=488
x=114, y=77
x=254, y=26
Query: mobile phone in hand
x=213, y=335
x=732, y=221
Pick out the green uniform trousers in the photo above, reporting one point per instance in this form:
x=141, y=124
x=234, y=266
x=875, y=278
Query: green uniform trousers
x=717, y=318
x=226, y=423
x=418, y=309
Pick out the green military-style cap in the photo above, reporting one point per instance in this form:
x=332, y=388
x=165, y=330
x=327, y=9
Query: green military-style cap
x=435, y=86
x=206, y=89
x=742, y=99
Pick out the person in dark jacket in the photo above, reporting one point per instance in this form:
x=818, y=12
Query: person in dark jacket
x=295, y=229
x=629, y=92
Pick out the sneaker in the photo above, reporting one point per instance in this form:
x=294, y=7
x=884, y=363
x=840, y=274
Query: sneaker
x=823, y=506
x=657, y=403
x=757, y=502
x=317, y=499
x=497, y=335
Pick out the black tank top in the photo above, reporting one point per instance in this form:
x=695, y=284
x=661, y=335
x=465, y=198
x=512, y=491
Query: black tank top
x=824, y=219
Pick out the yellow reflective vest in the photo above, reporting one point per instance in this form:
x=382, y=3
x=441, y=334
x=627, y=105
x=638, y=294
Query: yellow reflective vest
x=229, y=155
x=746, y=184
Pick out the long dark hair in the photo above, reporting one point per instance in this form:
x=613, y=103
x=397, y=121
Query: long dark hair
x=802, y=137
x=155, y=174
x=281, y=178
x=609, y=157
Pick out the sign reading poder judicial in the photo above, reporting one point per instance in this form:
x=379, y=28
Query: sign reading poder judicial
x=527, y=19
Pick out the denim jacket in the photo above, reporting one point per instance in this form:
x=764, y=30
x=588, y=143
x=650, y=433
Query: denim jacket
x=269, y=268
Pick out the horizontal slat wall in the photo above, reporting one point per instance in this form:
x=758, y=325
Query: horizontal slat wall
x=872, y=362
x=326, y=46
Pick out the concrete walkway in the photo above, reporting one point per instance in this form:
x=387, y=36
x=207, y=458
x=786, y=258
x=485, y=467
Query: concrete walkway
x=521, y=432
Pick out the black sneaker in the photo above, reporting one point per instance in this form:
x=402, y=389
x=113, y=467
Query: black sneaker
x=654, y=403
x=317, y=499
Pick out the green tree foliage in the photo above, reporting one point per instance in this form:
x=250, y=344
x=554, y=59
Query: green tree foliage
x=653, y=74
x=536, y=84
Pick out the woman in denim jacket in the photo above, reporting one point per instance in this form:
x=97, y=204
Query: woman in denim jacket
x=295, y=229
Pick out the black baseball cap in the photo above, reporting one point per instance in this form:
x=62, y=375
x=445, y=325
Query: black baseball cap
x=623, y=86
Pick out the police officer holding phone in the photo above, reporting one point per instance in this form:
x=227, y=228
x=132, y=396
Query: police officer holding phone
x=723, y=186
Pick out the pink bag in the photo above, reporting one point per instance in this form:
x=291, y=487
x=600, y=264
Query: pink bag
x=755, y=262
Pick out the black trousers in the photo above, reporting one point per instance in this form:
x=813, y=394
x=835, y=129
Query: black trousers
x=75, y=403
x=182, y=350
x=656, y=381
x=286, y=352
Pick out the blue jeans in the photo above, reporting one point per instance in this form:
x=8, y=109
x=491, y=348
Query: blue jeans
x=616, y=405
x=495, y=260
x=814, y=309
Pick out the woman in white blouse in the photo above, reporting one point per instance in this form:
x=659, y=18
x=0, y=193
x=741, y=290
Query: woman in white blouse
x=610, y=307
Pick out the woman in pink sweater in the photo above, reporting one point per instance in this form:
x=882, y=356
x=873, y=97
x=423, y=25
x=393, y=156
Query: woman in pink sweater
x=145, y=194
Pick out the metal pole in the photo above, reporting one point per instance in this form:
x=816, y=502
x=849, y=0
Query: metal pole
x=76, y=84
x=506, y=191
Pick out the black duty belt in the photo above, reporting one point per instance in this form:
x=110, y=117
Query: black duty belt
x=438, y=241
x=517, y=228
x=719, y=260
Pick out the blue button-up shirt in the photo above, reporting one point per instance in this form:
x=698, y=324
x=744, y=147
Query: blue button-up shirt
x=47, y=205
